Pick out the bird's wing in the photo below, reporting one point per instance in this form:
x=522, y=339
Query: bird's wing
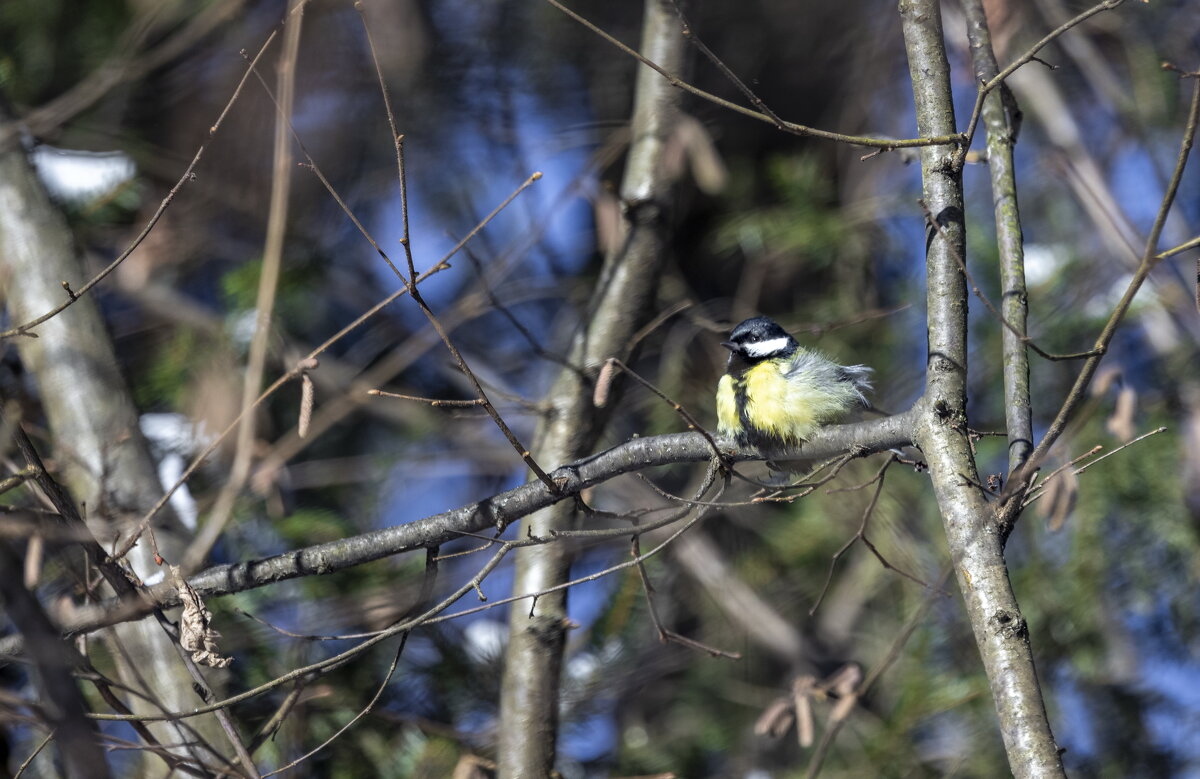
x=819, y=369
x=858, y=375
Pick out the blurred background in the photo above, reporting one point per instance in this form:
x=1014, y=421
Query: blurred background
x=811, y=233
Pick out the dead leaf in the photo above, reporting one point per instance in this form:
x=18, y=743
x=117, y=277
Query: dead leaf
x=610, y=227
x=1121, y=423
x=196, y=633
x=1061, y=493
x=776, y=719
x=707, y=167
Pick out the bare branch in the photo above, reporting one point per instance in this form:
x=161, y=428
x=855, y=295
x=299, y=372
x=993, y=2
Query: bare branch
x=1029, y=56
x=976, y=549
x=1001, y=137
x=1150, y=259
x=791, y=127
x=497, y=511
x=188, y=176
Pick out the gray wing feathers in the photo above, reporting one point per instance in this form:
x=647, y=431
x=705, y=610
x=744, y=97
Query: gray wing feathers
x=859, y=377
x=823, y=370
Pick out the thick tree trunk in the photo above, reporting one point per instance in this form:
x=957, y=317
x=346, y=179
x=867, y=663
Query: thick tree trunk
x=104, y=459
x=976, y=544
x=622, y=302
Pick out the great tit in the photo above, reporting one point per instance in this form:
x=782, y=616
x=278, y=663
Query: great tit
x=775, y=392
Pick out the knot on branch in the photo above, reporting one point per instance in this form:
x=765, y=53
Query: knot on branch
x=548, y=630
x=1009, y=626
x=567, y=479
x=644, y=211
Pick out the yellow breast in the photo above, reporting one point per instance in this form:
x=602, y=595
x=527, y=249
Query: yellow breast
x=777, y=407
x=729, y=423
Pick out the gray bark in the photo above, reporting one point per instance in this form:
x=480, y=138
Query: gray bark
x=975, y=542
x=529, y=694
x=487, y=515
x=1014, y=303
x=53, y=661
x=104, y=459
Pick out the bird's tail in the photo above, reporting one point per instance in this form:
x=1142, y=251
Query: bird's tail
x=859, y=377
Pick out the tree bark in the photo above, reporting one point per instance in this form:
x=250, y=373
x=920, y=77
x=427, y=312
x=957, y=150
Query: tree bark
x=623, y=299
x=1001, y=129
x=975, y=543
x=105, y=461
x=54, y=661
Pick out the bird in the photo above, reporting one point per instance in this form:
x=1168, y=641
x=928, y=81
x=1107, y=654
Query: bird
x=775, y=393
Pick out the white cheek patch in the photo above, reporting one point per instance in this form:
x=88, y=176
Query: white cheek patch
x=766, y=348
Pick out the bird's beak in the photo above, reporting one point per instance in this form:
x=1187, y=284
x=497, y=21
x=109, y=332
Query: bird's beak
x=731, y=346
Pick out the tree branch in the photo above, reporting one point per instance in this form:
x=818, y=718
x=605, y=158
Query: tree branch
x=489, y=514
x=882, y=144
x=622, y=301
x=1019, y=482
x=976, y=547
x=1014, y=303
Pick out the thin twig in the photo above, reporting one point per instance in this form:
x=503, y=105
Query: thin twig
x=1106, y=455
x=1033, y=493
x=1060, y=469
x=521, y=449
x=435, y=402
x=188, y=176
x=36, y=751
x=268, y=729
x=893, y=654
x=1183, y=247
x=1024, y=59
x=791, y=127
x=862, y=534
x=387, y=678
x=962, y=265
x=397, y=140
x=1149, y=260
x=658, y=321
x=714, y=468
x=754, y=99
x=690, y=420
x=665, y=635
x=836, y=464
x=104, y=687
x=417, y=298
x=494, y=299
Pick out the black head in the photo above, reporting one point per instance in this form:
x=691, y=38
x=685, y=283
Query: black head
x=758, y=339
